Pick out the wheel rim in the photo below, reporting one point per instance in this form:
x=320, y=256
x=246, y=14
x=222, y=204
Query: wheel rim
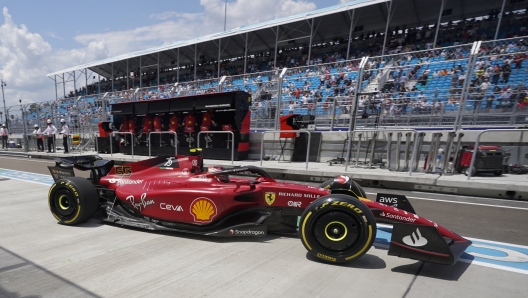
x=337, y=231
x=64, y=203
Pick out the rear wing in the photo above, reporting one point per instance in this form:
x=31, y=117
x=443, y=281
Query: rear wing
x=64, y=166
x=425, y=243
x=60, y=172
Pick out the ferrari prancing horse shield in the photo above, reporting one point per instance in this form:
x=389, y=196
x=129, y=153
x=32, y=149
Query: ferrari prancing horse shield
x=269, y=197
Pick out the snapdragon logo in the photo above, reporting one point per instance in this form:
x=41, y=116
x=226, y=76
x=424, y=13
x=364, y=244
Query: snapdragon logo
x=246, y=233
x=415, y=239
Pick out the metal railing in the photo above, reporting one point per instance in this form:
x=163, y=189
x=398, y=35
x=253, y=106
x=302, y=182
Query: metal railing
x=220, y=132
x=286, y=131
x=122, y=133
x=160, y=133
x=471, y=168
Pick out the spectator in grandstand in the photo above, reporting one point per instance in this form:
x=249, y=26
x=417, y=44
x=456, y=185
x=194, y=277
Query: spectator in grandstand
x=484, y=86
x=495, y=74
x=489, y=102
x=291, y=107
x=443, y=72
x=519, y=60
x=504, y=99
x=395, y=109
x=452, y=101
x=506, y=72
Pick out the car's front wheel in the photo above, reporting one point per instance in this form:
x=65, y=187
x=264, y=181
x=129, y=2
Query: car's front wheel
x=73, y=200
x=337, y=228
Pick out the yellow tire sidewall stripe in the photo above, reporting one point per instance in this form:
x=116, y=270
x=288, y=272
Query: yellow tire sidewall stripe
x=303, y=230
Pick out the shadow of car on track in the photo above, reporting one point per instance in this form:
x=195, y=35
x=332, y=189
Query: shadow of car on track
x=93, y=222
x=367, y=261
x=208, y=238
x=437, y=271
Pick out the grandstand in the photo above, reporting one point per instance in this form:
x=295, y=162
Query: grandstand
x=420, y=70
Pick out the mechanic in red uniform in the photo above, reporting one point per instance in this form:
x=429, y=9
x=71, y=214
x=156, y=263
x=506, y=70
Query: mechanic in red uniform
x=208, y=122
x=158, y=127
x=146, y=128
x=132, y=128
x=174, y=124
x=189, y=123
x=124, y=128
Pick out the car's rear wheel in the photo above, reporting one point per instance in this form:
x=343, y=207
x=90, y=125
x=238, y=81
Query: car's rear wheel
x=73, y=200
x=337, y=228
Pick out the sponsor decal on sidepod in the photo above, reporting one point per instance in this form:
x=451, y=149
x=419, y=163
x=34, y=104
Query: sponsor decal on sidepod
x=246, y=233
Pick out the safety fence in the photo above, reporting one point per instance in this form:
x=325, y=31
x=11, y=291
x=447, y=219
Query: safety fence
x=470, y=85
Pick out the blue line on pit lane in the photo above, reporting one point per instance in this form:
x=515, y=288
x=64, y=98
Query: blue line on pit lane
x=487, y=253
x=26, y=176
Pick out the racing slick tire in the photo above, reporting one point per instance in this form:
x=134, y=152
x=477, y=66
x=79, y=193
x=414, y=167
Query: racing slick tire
x=337, y=228
x=73, y=200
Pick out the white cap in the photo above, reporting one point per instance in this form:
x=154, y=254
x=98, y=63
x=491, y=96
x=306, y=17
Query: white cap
x=3, y=124
x=36, y=125
x=48, y=121
x=62, y=120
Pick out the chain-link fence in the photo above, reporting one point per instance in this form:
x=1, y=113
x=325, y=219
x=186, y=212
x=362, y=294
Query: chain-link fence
x=439, y=87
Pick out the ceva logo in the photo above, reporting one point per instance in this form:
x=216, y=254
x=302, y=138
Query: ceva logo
x=415, y=239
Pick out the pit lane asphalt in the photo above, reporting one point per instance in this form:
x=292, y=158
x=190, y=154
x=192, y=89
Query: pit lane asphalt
x=492, y=219
x=40, y=258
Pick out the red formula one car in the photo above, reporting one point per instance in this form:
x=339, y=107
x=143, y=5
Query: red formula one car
x=335, y=221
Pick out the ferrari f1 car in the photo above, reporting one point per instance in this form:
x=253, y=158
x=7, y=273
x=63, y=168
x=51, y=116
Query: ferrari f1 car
x=335, y=221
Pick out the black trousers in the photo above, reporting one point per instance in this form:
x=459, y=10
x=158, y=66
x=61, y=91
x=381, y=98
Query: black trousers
x=4, y=142
x=40, y=144
x=51, y=140
x=65, y=144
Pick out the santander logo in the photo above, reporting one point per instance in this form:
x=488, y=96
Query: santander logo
x=415, y=239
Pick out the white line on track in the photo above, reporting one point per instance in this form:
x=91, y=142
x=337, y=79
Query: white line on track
x=468, y=197
x=465, y=203
x=43, y=175
x=47, y=184
x=28, y=159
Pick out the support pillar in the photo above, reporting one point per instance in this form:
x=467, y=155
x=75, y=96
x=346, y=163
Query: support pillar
x=389, y=17
x=350, y=32
x=500, y=19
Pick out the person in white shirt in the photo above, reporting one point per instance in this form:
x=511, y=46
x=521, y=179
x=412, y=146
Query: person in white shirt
x=40, y=139
x=50, y=132
x=4, y=133
x=65, y=133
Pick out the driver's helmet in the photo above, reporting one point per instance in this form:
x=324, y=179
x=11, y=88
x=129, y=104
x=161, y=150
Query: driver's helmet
x=217, y=169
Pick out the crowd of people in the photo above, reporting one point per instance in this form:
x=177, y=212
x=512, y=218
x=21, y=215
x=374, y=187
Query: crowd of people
x=404, y=81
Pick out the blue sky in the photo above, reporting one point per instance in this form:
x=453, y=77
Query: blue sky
x=40, y=37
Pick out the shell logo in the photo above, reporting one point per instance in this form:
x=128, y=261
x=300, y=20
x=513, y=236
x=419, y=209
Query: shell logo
x=203, y=210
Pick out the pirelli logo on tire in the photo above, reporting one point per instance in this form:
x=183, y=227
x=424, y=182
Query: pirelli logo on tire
x=342, y=204
x=325, y=257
